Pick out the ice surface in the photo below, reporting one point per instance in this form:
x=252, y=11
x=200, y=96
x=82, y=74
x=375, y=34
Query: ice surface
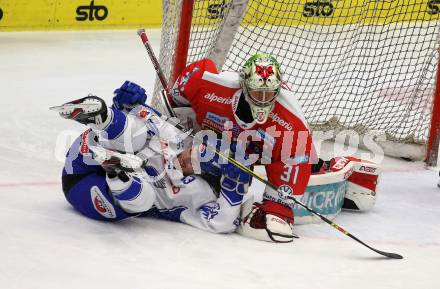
x=46, y=244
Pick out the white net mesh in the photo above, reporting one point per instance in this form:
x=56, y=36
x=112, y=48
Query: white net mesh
x=359, y=64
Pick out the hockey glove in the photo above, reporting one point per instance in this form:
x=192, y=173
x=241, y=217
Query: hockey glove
x=267, y=221
x=128, y=96
x=234, y=183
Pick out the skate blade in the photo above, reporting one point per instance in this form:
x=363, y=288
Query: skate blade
x=127, y=162
x=69, y=107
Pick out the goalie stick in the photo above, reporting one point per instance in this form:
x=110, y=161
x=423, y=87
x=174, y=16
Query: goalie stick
x=142, y=34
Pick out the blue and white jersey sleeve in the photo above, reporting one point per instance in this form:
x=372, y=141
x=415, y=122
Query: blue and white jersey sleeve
x=122, y=132
x=141, y=127
x=206, y=211
x=133, y=196
x=166, y=139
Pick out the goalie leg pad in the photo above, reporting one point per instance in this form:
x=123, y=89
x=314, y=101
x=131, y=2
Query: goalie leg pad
x=361, y=186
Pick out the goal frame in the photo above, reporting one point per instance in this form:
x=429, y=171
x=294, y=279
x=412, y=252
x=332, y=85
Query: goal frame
x=428, y=153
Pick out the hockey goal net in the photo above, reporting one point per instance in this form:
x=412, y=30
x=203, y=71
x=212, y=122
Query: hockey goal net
x=364, y=65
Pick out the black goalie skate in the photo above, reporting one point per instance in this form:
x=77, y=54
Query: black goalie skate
x=90, y=109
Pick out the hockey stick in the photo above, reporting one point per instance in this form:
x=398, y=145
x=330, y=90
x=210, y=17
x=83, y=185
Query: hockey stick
x=163, y=81
x=145, y=41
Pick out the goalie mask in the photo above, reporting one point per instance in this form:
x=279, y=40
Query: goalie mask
x=260, y=79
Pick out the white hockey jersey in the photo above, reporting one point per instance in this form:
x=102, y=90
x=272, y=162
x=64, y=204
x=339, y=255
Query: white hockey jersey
x=163, y=190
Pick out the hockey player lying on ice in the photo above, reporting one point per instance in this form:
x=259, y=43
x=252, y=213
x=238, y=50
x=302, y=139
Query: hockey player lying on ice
x=103, y=184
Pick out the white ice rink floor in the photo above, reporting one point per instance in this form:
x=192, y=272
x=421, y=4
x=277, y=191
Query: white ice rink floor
x=46, y=244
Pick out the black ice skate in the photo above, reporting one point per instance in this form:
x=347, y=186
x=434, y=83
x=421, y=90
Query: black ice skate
x=90, y=109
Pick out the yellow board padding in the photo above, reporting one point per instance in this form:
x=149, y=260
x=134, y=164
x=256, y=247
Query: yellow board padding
x=326, y=12
x=113, y=14
x=16, y=15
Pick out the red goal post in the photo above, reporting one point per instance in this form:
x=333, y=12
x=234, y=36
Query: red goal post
x=367, y=66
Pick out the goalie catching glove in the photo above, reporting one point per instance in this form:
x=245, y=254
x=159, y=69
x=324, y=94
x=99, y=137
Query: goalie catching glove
x=267, y=221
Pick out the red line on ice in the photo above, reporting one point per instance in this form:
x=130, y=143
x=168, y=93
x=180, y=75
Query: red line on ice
x=29, y=184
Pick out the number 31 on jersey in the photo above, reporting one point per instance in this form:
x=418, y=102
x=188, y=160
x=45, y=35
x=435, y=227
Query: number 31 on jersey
x=290, y=174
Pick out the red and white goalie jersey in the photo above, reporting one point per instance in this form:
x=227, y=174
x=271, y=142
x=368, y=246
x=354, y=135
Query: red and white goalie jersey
x=283, y=143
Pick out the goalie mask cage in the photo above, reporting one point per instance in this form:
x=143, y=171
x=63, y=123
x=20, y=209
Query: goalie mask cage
x=363, y=65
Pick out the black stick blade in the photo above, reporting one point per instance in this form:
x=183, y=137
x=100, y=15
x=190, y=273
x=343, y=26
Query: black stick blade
x=390, y=255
